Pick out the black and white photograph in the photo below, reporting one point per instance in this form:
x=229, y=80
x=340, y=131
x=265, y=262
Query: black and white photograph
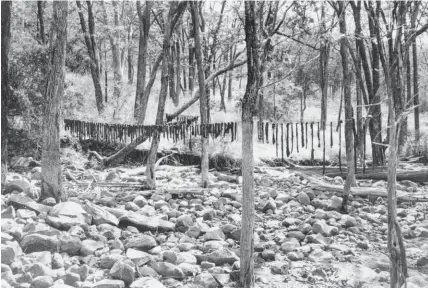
x=214, y=144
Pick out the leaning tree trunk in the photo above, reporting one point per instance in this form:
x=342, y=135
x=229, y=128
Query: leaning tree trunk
x=203, y=96
x=248, y=111
x=349, y=137
x=177, y=72
x=51, y=164
x=5, y=45
x=191, y=61
x=169, y=26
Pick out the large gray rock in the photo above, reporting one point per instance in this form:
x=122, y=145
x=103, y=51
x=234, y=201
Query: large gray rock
x=9, y=251
x=146, y=282
x=25, y=202
x=214, y=233
x=303, y=198
x=69, y=244
x=38, y=242
x=89, y=247
x=100, y=215
x=123, y=271
x=107, y=283
x=206, y=280
x=219, y=257
x=42, y=282
x=72, y=210
x=138, y=257
x=166, y=269
x=183, y=223
x=144, y=223
x=141, y=242
x=20, y=185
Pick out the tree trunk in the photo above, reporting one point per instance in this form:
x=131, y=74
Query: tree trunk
x=203, y=97
x=172, y=76
x=372, y=80
x=415, y=76
x=51, y=164
x=115, y=48
x=191, y=61
x=141, y=97
x=349, y=137
x=105, y=74
x=40, y=13
x=92, y=51
x=222, y=93
x=169, y=26
x=177, y=72
x=229, y=86
x=5, y=90
x=130, y=56
x=324, y=59
x=248, y=111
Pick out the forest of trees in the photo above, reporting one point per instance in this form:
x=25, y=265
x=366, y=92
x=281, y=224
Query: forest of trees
x=369, y=53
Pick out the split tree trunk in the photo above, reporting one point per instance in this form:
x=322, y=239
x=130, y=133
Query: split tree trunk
x=51, y=164
x=5, y=91
x=177, y=72
x=91, y=46
x=248, y=111
x=202, y=91
x=172, y=76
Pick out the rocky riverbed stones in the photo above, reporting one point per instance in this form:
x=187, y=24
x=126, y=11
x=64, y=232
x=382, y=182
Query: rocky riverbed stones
x=100, y=239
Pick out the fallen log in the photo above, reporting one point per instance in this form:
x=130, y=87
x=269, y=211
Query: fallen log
x=363, y=191
x=418, y=176
x=118, y=156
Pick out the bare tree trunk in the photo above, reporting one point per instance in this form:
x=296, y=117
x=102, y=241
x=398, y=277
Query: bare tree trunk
x=248, y=111
x=222, y=93
x=177, y=72
x=203, y=96
x=172, y=76
x=5, y=90
x=324, y=59
x=372, y=80
x=105, y=74
x=115, y=48
x=229, y=87
x=169, y=26
x=40, y=13
x=191, y=61
x=51, y=164
x=92, y=51
x=130, y=56
x=415, y=75
x=141, y=99
x=349, y=137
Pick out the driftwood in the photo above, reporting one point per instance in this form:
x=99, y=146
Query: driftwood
x=226, y=178
x=118, y=156
x=363, y=191
x=418, y=176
